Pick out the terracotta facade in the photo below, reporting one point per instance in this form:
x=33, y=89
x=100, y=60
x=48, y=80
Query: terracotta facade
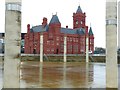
x=53, y=36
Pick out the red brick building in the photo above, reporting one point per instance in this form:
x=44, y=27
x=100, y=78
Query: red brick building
x=53, y=36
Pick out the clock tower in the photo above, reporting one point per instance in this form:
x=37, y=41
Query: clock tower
x=79, y=19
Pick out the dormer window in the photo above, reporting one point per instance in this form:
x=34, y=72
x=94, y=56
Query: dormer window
x=50, y=36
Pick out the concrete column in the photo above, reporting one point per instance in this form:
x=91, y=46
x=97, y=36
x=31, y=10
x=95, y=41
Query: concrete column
x=87, y=74
x=64, y=75
x=41, y=74
x=65, y=48
x=41, y=47
x=111, y=44
x=119, y=24
x=87, y=50
x=12, y=44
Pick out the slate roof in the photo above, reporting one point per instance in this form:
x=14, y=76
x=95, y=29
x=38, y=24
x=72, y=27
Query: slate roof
x=79, y=9
x=90, y=31
x=68, y=31
x=54, y=19
x=39, y=28
x=79, y=31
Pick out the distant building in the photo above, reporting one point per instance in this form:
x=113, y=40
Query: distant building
x=2, y=35
x=99, y=50
x=1, y=46
x=54, y=36
x=2, y=42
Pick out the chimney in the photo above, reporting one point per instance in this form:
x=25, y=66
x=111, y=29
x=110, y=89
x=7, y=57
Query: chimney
x=44, y=23
x=28, y=27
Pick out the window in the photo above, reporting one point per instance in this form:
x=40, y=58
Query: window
x=76, y=22
x=52, y=50
x=50, y=35
x=48, y=50
x=73, y=39
x=76, y=39
x=57, y=38
x=75, y=48
x=61, y=38
x=48, y=42
x=67, y=39
x=70, y=39
x=81, y=22
x=57, y=44
x=69, y=48
x=62, y=47
x=90, y=41
x=82, y=49
x=52, y=42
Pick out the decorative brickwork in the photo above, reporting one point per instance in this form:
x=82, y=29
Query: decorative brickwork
x=54, y=36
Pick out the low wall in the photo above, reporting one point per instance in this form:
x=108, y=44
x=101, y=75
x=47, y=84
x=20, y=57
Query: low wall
x=56, y=58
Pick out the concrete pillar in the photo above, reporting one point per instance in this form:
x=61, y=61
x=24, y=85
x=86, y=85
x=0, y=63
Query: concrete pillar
x=64, y=75
x=41, y=47
x=65, y=48
x=119, y=24
x=111, y=44
x=87, y=74
x=12, y=44
x=87, y=50
x=41, y=74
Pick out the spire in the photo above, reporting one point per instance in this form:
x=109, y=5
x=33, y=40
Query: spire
x=90, y=31
x=79, y=10
x=54, y=19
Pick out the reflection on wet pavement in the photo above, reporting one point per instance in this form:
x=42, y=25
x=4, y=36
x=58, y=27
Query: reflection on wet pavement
x=1, y=71
x=60, y=75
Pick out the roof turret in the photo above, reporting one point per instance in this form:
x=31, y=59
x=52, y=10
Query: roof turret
x=90, y=31
x=54, y=19
x=79, y=10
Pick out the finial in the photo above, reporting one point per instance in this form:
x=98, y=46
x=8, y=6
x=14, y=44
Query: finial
x=52, y=14
x=56, y=13
x=79, y=3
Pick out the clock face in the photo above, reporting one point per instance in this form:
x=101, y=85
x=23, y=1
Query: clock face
x=76, y=22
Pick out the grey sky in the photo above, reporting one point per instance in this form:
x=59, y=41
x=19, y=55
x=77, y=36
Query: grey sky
x=34, y=10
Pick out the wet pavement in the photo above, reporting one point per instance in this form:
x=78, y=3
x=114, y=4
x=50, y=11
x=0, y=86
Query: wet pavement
x=53, y=75
x=60, y=75
x=1, y=71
